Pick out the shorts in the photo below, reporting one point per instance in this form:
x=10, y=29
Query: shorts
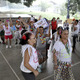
x=8, y=36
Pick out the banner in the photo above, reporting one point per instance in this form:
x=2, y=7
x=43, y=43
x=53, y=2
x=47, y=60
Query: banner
x=42, y=23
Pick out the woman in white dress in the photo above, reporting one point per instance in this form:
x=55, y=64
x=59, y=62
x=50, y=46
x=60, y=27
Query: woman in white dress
x=62, y=53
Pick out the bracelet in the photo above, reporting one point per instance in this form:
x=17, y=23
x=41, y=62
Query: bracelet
x=55, y=64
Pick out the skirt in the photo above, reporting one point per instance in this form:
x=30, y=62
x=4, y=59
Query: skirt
x=63, y=72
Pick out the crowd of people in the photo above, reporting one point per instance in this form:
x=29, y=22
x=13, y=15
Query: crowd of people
x=35, y=42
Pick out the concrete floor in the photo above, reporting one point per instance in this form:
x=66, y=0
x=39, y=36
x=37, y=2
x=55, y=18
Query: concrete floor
x=10, y=60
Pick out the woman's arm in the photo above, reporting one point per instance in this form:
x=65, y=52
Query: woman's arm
x=10, y=22
x=24, y=22
x=55, y=59
x=27, y=65
x=37, y=31
x=49, y=34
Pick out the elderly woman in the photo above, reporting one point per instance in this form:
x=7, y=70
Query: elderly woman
x=62, y=52
x=29, y=62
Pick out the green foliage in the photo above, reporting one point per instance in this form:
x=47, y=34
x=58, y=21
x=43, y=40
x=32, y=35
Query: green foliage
x=74, y=6
x=27, y=3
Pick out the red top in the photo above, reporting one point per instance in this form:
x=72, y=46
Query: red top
x=54, y=25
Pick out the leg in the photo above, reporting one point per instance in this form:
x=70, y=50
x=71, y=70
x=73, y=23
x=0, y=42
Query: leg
x=10, y=41
x=2, y=35
x=2, y=38
x=16, y=41
x=74, y=42
x=28, y=76
x=6, y=41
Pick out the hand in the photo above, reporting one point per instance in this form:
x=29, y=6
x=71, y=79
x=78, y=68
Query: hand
x=55, y=66
x=68, y=65
x=37, y=30
x=21, y=19
x=36, y=73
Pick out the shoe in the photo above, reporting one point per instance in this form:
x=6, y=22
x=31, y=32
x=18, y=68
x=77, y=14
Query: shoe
x=6, y=46
x=9, y=46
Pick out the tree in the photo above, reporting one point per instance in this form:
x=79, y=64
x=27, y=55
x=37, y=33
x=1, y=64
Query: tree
x=27, y=3
x=74, y=6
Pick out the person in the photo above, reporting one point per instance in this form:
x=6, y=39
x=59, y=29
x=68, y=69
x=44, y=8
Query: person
x=32, y=18
x=65, y=24
x=54, y=25
x=56, y=36
x=62, y=52
x=30, y=27
x=79, y=31
x=58, y=19
x=8, y=34
x=72, y=26
x=75, y=34
x=18, y=31
x=2, y=33
x=41, y=45
x=29, y=62
x=23, y=31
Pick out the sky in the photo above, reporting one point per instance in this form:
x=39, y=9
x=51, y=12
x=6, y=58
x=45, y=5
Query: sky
x=56, y=1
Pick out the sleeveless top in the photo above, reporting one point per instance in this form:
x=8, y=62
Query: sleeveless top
x=7, y=30
x=33, y=58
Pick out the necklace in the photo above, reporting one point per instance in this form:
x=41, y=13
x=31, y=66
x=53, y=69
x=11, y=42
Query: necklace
x=66, y=46
x=43, y=39
x=6, y=27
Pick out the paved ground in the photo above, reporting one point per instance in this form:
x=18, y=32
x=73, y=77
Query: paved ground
x=10, y=60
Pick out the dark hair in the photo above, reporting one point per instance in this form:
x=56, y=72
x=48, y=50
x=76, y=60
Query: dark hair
x=23, y=31
x=76, y=21
x=67, y=28
x=60, y=27
x=31, y=15
x=35, y=20
x=53, y=18
x=40, y=27
x=24, y=41
x=19, y=17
